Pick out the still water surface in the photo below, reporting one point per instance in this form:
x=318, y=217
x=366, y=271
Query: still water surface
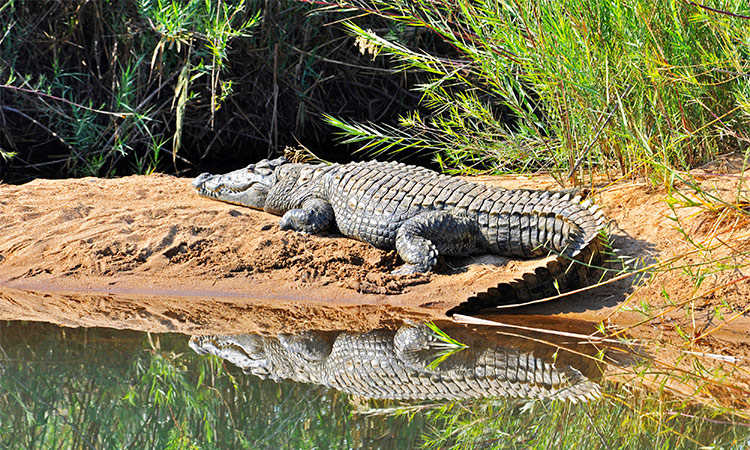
x=101, y=388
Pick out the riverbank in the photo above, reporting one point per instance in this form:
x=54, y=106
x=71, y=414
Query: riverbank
x=145, y=253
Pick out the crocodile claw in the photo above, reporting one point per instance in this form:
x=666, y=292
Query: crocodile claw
x=410, y=269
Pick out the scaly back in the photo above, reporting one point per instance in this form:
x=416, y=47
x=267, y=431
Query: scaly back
x=521, y=223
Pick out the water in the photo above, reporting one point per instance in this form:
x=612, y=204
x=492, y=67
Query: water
x=441, y=361
x=101, y=388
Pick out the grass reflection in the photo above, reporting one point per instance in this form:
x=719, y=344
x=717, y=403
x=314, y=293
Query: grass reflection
x=97, y=388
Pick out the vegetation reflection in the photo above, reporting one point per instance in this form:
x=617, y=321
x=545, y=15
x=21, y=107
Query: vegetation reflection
x=78, y=388
x=95, y=388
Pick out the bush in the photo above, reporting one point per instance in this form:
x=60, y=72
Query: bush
x=108, y=87
x=554, y=85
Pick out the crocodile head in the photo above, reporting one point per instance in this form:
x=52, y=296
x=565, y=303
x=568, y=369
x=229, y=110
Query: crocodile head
x=246, y=351
x=246, y=187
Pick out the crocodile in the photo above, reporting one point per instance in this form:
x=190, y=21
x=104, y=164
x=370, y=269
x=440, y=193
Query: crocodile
x=399, y=364
x=423, y=214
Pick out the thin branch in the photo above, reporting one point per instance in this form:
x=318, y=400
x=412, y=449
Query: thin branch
x=42, y=94
x=718, y=11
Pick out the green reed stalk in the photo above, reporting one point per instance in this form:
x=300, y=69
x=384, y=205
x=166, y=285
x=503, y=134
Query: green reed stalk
x=551, y=85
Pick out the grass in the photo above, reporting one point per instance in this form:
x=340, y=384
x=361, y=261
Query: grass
x=694, y=401
x=114, y=87
x=200, y=33
x=445, y=345
x=104, y=103
x=572, y=88
x=618, y=420
x=622, y=87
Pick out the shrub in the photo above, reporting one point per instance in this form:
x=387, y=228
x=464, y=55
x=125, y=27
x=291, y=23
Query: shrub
x=572, y=84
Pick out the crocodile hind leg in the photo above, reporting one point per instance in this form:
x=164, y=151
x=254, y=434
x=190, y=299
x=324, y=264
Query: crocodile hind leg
x=315, y=216
x=422, y=238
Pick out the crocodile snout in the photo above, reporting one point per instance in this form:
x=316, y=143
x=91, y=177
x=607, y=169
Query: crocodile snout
x=200, y=179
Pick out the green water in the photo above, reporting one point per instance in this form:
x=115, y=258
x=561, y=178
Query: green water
x=106, y=389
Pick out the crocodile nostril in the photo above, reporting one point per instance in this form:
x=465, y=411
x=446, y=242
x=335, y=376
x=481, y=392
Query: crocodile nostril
x=200, y=179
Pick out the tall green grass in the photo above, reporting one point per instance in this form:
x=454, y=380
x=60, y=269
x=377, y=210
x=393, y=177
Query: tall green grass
x=98, y=81
x=570, y=84
x=113, y=87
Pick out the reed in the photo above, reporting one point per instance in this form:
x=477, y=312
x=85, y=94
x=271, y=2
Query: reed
x=626, y=88
x=115, y=87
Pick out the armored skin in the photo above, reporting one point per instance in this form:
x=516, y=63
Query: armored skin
x=421, y=214
x=396, y=364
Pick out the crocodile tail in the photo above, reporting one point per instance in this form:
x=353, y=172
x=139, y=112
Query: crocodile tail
x=583, y=391
x=524, y=375
x=574, y=267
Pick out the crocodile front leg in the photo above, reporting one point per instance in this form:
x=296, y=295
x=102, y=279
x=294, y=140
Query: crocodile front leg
x=422, y=238
x=416, y=346
x=310, y=345
x=315, y=216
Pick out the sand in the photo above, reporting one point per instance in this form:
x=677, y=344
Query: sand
x=145, y=253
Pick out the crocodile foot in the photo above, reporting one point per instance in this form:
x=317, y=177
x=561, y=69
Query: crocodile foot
x=411, y=269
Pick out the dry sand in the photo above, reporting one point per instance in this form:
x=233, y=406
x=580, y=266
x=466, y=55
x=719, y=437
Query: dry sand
x=145, y=253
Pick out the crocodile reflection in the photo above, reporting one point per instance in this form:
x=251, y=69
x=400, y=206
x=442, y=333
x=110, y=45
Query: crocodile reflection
x=399, y=364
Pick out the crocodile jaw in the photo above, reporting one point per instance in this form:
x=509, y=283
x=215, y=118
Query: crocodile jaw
x=244, y=351
x=246, y=187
